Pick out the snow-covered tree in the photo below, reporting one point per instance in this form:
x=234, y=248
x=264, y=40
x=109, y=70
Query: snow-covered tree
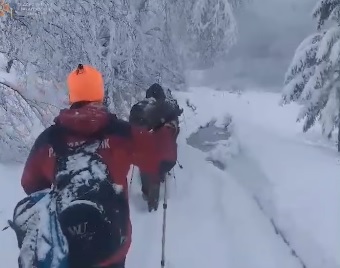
x=313, y=77
x=237, y=4
x=134, y=43
x=204, y=30
x=121, y=38
x=20, y=112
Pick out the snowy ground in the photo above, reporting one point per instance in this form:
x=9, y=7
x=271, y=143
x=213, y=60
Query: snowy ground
x=293, y=176
x=278, y=178
x=10, y=194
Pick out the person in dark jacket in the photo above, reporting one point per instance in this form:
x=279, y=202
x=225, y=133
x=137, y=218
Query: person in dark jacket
x=156, y=111
x=122, y=144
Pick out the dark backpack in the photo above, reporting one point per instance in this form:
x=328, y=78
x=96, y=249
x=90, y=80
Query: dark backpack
x=154, y=114
x=93, y=212
x=138, y=114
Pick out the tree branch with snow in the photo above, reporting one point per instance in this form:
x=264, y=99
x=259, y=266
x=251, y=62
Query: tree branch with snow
x=312, y=79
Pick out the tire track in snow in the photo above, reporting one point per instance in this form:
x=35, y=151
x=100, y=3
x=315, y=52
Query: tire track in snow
x=280, y=233
x=219, y=217
x=276, y=167
x=246, y=170
x=254, y=242
x=199, y=140
x=250, y=175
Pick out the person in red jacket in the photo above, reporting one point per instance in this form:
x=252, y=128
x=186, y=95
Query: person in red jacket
x=158, y=110
x=121, y=145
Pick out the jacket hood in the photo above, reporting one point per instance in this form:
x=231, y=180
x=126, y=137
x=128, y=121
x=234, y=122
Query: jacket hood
x=85, y=120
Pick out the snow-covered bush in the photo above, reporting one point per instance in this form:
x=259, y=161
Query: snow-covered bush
x=224, y=149
x=217, y=140
x=313, y=77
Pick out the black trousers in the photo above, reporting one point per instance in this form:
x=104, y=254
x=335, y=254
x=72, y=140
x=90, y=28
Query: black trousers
x=164, y=168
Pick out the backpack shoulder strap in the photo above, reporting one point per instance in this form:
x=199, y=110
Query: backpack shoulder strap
x=57, y=139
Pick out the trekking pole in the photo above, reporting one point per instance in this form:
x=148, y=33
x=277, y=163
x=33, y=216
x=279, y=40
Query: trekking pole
x=180, y=166
x=132, y=172
x=174, y=175
x=165, y=206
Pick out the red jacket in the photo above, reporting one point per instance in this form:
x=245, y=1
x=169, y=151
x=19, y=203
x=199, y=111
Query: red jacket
x=122, y=146
x=166, y=138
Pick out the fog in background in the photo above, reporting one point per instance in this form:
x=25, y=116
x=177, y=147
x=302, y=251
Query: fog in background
x=269, y=33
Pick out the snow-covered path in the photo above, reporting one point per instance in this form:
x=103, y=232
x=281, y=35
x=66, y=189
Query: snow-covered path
x=213, y=219
x=294, y=176
x=212, y=222
x=298, y=186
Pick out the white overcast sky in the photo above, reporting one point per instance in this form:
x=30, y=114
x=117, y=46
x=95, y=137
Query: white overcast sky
x=269, y=32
